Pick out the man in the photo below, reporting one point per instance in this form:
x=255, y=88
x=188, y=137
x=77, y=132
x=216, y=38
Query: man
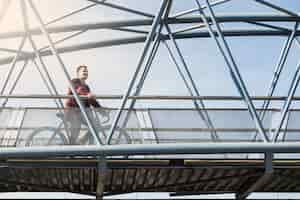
x=73, y=113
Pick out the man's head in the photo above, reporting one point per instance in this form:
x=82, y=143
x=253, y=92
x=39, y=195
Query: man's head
x=82, y=72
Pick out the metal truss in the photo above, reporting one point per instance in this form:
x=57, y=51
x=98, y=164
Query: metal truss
x=199, y=25
x=153, y=29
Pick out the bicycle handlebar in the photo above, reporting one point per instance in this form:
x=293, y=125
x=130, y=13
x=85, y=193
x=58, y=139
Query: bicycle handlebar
x=104, y=114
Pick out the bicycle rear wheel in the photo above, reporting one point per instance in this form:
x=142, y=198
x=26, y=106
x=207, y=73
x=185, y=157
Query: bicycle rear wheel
x=46, y=136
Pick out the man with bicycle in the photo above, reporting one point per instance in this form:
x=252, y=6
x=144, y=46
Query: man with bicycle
x=73, y=113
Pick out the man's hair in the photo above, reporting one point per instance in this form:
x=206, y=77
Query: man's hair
x=79, y=67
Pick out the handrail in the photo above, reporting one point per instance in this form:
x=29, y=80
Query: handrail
x=149, y=149
x=133, y=129
x=151, y=97
x=230, y=18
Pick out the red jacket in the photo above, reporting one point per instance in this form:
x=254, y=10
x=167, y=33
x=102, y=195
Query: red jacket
x=82, y=90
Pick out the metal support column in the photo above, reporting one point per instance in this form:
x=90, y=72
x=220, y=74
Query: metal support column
x=143, y=77
x=260, y=182
x=150, y=36
x=101, y=177
x=149, y=61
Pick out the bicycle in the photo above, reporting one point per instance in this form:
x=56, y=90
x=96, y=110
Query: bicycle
x=45, y=136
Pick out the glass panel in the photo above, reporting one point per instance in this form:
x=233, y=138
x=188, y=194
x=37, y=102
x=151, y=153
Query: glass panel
x=231, y=125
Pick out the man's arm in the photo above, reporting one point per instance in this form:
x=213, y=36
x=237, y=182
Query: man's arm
x=93, y=101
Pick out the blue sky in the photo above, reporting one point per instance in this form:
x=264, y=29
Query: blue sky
x=112, y=67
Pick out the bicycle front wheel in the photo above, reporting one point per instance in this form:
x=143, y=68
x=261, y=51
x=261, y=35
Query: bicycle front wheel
x=122, y=137
x=46, y=136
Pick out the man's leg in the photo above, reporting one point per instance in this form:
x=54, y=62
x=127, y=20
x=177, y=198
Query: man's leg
x=75, y=125
x=88, y=138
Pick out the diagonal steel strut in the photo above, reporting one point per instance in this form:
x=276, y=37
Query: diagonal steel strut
x=55, y=53
x=149, y=39
x=203, y=114
x=233, y=68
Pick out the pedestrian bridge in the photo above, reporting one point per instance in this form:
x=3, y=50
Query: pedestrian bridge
x=153, y=123
x=177, y=150
x=203, y=145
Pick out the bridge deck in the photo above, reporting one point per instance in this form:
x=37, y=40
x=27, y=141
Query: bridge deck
x=168, y=175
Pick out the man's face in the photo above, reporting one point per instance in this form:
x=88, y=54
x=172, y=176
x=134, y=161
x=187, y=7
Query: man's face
x=83, y=73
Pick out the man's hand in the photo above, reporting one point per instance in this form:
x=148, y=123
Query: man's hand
x=91, y=96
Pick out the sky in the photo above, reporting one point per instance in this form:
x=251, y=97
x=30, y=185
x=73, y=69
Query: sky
x=111, y=68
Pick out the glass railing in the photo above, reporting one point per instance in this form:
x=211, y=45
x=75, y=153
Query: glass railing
x=50, y=126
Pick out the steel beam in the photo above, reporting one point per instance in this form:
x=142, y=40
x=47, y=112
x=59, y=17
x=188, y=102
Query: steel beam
x=205, y=117
x=34, y=62
x=278, y=8
x=13, y=65
x=71, y=14
x=58, y=102
x=180, y=14
x=122, y=8
x=149, y=149
x=148, y=63
x=183, y=30
x=287, y=103
x=231, y=64
x=130, y=30
x=297, y=41
x=15, y=83
x=268, y=26
x=134, y=40
x=149, y=39
x=266, y=17
x=37, y=55
x=279, y=67
x=156, y=97
x=153, y=51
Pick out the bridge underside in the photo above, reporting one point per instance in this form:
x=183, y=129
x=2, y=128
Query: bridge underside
x=79, y=175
